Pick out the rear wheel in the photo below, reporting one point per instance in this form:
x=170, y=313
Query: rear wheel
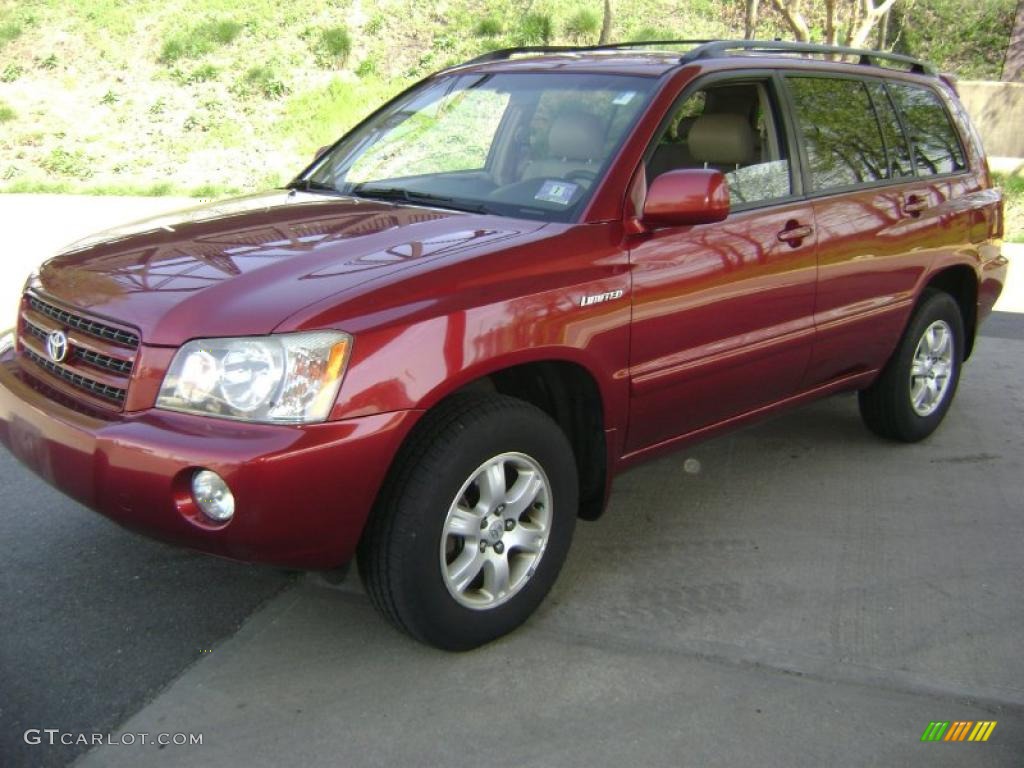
x=911, y=396
x=475, y=523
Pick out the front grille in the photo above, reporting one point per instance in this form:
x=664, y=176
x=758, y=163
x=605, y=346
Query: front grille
x=35, y=330
x=104, y=361
x=96, y=359
x=93, y=328
x=100, y=357
x=114, y=394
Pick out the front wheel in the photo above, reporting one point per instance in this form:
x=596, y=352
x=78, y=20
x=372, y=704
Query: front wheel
x=915, y=389
x=475, y=522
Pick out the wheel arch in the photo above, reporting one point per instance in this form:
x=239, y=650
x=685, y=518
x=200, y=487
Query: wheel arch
x=569, y=393
x=961, y=282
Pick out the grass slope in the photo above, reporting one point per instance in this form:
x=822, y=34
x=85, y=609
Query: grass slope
x=210, y=97
x=217, y=96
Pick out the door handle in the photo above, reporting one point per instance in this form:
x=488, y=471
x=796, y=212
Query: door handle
x=914, y=204
x=794, y=233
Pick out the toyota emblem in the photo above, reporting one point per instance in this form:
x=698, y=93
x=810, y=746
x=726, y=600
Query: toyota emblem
x=57, y=346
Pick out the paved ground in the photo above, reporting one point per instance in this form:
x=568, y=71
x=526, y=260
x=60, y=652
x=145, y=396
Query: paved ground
x=96, y=620
x=812, y=596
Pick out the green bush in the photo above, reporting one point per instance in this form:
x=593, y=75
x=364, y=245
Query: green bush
x=260, y=80
x=7, y=113
x=367, y=67
x=375, y=24
x=334, y=46
x=61, y=162
x=199, y=40
x=650, y=33
x=201, y=74
x=1013, y=200
x=582, y=25
x=11, y=73
x=967, y=39
x=9, y=31
x=488, y=26
x=535, y=29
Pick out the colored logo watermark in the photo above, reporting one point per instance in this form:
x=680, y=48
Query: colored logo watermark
x=958, y=730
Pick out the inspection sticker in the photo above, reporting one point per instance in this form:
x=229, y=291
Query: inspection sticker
x=624, y=98
x=560, y=192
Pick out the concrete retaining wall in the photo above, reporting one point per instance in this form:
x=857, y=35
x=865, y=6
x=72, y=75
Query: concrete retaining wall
x=997, y=110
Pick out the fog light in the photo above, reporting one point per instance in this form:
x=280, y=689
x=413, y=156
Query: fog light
x=213, y=495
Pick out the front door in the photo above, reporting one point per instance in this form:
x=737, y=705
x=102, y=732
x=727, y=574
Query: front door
x=722, y=313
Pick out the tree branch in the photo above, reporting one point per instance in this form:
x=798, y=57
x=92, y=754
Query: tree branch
x=860, y=32
x=790, y=10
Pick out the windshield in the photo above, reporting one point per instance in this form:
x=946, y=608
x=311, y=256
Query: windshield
x=527, y=145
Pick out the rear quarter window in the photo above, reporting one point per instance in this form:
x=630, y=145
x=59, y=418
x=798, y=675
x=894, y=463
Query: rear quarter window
x=896, y=146
x=935, y=142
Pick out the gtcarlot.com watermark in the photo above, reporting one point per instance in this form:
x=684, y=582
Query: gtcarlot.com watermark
x=55, y=736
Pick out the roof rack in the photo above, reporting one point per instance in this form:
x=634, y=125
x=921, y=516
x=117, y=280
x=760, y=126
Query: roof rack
x=713, y=49
x=719, y=48
x=503, y=54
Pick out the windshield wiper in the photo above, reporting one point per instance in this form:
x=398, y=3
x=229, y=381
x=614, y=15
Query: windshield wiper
x=310, y=185
x=414, y=197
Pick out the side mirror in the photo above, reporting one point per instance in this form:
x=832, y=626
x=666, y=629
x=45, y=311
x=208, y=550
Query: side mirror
x=689, y=196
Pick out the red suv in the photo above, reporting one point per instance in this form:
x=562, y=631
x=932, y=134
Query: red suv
x=523, y=275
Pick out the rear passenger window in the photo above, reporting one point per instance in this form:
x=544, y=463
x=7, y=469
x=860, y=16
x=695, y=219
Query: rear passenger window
x=896, y=146
x=842, y=138
x=936, y=145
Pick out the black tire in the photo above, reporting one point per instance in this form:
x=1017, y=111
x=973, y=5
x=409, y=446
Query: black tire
x=400, y=555
x=886, y=406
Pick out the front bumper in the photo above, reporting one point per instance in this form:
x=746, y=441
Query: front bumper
x=302, y=494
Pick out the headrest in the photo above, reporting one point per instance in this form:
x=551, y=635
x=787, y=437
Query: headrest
x=722, y=139
x=575, y=136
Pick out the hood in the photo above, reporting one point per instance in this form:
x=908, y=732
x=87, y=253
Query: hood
x=242, y=266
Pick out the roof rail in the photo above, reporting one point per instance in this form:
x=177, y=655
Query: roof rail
x=712, y=49
x=719, y=48
x=503, y=54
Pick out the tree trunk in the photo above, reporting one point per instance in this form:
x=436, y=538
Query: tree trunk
x=883, y=31
x=750, y=22
x=1013, y=64
x=830, y=22
x=606, y=24
x=869, y=16
x=790, y=10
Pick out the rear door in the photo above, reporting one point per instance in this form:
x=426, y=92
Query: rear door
x=723, y=313
x=886, y=207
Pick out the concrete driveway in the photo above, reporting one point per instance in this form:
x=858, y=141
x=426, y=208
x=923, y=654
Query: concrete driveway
x=810, y=596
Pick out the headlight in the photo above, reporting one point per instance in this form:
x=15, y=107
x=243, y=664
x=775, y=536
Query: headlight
x=284, y=378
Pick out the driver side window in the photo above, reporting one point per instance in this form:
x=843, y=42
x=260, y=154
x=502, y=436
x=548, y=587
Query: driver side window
x=730, y=127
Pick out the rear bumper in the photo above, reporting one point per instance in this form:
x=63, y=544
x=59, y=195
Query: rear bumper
x=302, y=494
x=991, y=279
